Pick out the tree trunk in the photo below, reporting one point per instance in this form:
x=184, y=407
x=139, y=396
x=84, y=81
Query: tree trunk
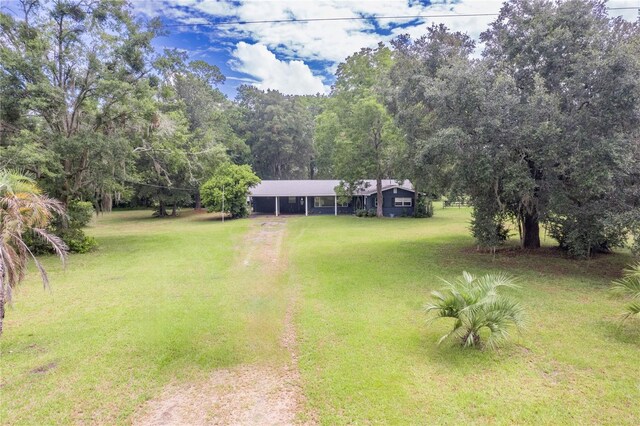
x=162, y=210
x=379, y=197
x=107, y=202
x=530, y=231
x=415, y=201
x=198, y=201
x=476, y=338
x=174, y=211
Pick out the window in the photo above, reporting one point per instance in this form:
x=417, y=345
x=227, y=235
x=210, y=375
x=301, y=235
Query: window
x=323, y=201
x=343, y=204
x=395, y=190
x=292, y=200
x=403, y=201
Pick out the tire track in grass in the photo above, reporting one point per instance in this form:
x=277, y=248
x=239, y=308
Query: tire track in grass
x=253, y=394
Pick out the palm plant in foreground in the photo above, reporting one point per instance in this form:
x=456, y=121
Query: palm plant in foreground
x=629, y=286
x=23, y=209
x=476, y=304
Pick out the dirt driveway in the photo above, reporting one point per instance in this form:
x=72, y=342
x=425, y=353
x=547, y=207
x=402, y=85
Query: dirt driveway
x=246, y=394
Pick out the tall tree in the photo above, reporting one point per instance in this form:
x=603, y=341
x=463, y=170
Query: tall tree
x=76, y=74
x=416, y=63
x=279, y=130
x=497, y=136
x=357, y=138
x=590, y=64
x=189, y=135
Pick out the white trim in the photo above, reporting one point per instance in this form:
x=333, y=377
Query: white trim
x=403, y=201
x=277, y=207
x=306, y=206
x=336, y=206
x=384, y=189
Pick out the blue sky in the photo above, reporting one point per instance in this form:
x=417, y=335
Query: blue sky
x=295, y=58
x=300, y=58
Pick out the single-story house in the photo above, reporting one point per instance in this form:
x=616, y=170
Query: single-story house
x=319, y=197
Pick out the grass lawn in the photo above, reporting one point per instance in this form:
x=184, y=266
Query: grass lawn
x=165, y=300
x=159, y=301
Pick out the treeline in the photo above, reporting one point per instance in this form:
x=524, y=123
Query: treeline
x=542, y=129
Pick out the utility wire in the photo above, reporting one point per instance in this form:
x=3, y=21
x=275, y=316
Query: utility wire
x=354, y=18
x=160, y=186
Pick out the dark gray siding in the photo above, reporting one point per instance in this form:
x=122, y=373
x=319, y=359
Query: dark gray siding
x=264, y=204
x=288, y=207
x=388, y=202
x=330, y=209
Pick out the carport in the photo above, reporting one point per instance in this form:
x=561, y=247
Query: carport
x=295, y=197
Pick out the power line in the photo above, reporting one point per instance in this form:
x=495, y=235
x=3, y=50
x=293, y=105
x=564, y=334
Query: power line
x=160, y=186
x=354, y=18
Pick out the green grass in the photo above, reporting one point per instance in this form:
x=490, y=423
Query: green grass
x=166, y=300
x=368, y=355
x=159, y=301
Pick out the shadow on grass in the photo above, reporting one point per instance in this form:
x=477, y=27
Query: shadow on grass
x=460, y=254
x=204, y=216
x=453, y=357
x=614, y=328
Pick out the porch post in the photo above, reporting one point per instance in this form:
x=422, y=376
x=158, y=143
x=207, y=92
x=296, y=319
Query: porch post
x=306, y=206
x=277, y=207
x=336, y=205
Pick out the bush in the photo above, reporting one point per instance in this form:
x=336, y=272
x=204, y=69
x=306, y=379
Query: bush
x=77, y=241
x=228, y=189
x=583, y=236
x=488, y=229
x=80, y=213
x=476, y=305
x=424, y=207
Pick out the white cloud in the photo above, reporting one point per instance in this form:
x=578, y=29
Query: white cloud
x=290, y=77
x=327, y=41
x=216, y=8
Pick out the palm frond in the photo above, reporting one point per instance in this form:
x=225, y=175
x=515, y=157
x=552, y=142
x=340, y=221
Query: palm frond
x=23, y=208
x=477, y=304
x=629, y=287
x=632, y=310
x=56, y=243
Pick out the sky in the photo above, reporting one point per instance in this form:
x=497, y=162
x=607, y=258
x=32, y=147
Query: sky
x=301, y=57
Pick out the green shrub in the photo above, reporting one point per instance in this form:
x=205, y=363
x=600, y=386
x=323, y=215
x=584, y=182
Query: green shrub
x=583, y=236
x=228, y=189
x=77, y=240
x=476, y=306
x=488, y=229
x=80, y=213
x=69, y=228
x=424, y=207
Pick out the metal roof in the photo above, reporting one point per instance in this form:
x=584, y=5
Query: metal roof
x=318, y=188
